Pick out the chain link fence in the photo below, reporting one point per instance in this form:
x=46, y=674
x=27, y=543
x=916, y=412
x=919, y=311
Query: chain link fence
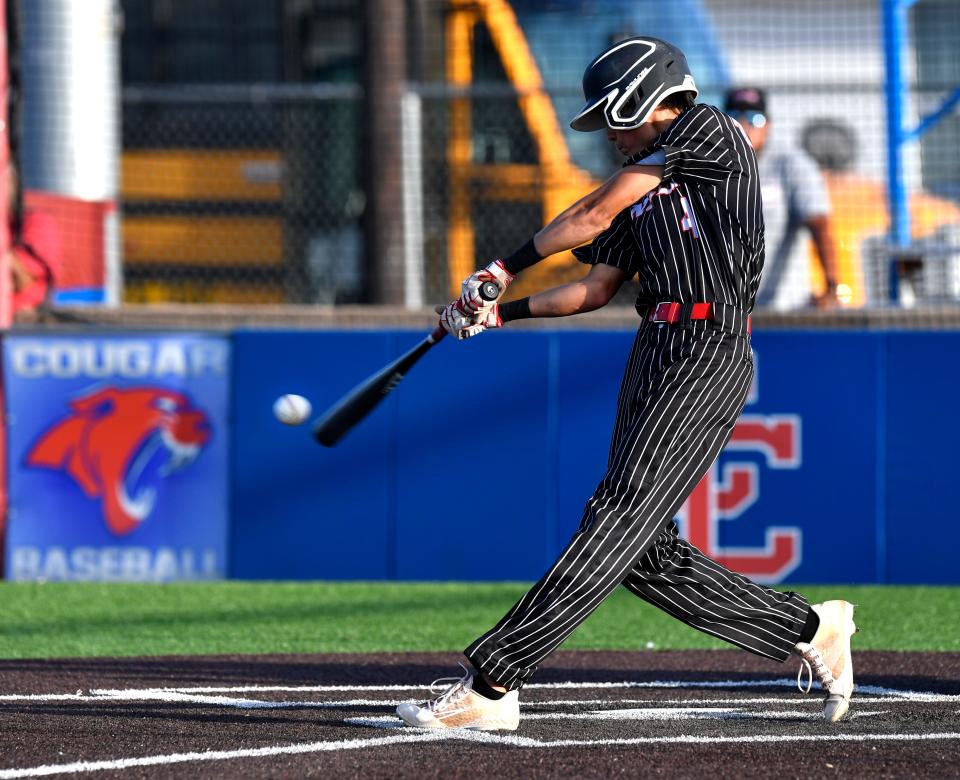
x=242, y=194
x=246, y=164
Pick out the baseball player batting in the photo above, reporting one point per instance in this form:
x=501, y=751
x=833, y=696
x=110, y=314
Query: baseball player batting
x=684, y=216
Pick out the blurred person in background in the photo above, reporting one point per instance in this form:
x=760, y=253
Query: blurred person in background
x=34, y=256
x=794, y=198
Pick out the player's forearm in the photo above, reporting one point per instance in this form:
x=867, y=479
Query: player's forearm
x=826, y=252
x=591, y=215
x=560, y=301
x=588, y=217
x=577, y=225
x=596, y=289
x=582, y=222
x=573, y=298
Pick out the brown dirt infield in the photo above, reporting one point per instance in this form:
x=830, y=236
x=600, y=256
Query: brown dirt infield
x=653, y=714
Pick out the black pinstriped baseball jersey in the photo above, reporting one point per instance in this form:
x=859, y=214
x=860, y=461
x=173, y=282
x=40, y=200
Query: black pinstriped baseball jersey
x=697, y=238
x=699, y=235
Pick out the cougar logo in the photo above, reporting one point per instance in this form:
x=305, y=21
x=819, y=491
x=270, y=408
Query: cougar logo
x=118, y=440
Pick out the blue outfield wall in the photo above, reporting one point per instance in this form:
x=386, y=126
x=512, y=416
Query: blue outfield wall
x=842, y=460
x=156, y=457
x=117, y=453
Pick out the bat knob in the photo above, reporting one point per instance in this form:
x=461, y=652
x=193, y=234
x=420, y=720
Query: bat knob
x=489, y=291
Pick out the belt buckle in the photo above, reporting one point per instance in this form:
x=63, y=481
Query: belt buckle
x=665, y=311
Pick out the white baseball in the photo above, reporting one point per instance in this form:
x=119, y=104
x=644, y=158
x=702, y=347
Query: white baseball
x=291, y=409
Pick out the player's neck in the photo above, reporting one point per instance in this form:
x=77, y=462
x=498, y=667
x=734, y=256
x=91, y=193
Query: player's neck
x=662, y=118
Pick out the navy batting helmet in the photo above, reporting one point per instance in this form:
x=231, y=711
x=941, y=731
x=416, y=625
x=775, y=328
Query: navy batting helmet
x=625, y=83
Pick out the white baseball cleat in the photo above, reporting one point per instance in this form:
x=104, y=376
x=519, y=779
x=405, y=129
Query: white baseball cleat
x=459, y=707
x=827, y=657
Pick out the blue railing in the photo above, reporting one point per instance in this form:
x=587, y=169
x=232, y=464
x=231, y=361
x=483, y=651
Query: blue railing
x=895, y=36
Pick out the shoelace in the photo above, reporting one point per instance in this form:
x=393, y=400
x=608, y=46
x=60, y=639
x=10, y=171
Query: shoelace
x=454, y=689
x=811, y=660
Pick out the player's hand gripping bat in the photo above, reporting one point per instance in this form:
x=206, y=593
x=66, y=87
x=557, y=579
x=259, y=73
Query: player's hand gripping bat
x=362, y=400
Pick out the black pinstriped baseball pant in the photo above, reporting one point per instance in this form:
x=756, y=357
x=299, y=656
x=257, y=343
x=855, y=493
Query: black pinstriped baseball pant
x=683, y=389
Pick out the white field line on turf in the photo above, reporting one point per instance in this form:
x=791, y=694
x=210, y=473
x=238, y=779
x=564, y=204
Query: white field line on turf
x=636, y=713
x=221, y=701
x=782, y=683
x=692, y=713
x=438, y=735
x=147, y=694
x=815, y=701
x=174, y=697
x=646, y=714
x=216, y=755
x=696, y=739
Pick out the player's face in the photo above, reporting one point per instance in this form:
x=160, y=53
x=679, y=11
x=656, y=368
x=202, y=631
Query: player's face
x=755, y=125
x=629, y=142
x=757, y=136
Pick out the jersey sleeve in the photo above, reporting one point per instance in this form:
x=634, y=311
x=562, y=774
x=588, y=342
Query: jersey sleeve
x=615, y=246
x=701, y=147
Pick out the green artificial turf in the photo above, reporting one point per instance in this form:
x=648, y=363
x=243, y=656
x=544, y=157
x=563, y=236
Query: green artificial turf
x=72, y=619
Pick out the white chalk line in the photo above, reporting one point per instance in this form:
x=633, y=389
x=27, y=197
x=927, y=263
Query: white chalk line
x=217, y=755
x=488, y=737
x=695, y=713
x=171, y=696
x=157, y=694
x=659, y=708
x=177, y=697
x=813, y=701
x=778, y=683
x=203, y=696
x=646, y=714
x=438, y=735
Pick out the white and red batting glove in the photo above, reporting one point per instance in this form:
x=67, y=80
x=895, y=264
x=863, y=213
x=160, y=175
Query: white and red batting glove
x=465, y=326
x=487, y=319
x=470, y=300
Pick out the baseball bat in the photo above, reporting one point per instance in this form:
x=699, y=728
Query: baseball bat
x=365, y=397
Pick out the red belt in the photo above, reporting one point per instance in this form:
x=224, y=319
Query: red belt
x=673, y=312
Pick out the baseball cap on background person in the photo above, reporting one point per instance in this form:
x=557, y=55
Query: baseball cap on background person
x=749, y=103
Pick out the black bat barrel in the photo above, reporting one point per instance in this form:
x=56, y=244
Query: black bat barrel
x=360, y=401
